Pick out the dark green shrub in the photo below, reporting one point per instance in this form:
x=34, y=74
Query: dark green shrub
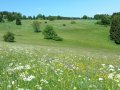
x=36, y=26
x=1, y=18
x=51, y=18
x=105, y=20
x=64, y=24
x=18, y=22
x=9, y=37
x=45, y=21
x=85, y=17
x=115, y=28
x=57, y=38
x=98, y=22
x=10, y=17
x=49, y=33
x=73, y=22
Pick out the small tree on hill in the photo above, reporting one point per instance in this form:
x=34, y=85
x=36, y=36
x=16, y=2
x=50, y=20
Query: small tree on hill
x=9, y=37
x=85, y=17
x=1, y=18
x=49, y=33
x=36, y=26
x=115, y=28
x=18, y=21
x=10, y=17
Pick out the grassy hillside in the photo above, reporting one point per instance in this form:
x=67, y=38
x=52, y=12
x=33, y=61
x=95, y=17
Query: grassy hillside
x=85, y=33
x=85, y=60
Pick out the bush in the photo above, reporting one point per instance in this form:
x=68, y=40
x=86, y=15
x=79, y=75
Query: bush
x=105, y=20
x=57, y=38
x=98, y=22
x=85, y=17
x=115, y=28
x=1, y=18
x=49, y=33
x=73, y=22
x=64, y=24
x=18, y=22
x=9, y=37
x=45, y=21
x=36, y=26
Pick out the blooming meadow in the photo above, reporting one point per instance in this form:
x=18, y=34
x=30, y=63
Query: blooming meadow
x=45, y=68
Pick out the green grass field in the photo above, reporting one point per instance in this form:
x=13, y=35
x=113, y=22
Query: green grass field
x=86, y=59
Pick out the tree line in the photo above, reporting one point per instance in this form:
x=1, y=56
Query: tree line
x=11, y=16
x=103, y=19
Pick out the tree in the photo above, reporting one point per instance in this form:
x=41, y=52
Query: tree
x=85, y=17
x=10, y=17
x=24, y=17
x=30, y=17
x=34, y=17
x=39, y=16
x=100, y=16
x=1, y=18
x=36, y=26
x=49, y=33
x=18, y=21
x=105, y=20
x=9, y=37
x=115, y=28
x=51, y=18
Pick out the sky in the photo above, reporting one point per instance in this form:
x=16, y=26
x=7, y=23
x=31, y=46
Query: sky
x=72, y=8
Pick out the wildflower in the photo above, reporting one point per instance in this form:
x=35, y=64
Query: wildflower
x=27, y=67
x=79, y=76
x=10, y=64
x=44, y=81
x=118, y=69
x=74, y=88
x=59, y=80
x=29, y=78
x=9, y=86
x=103, y=65
x=20, y=89
x=117, y=78
x=100, y=79
x=110, y=76
x=19, y=68
x=13, y=82
x=39, y=88
x=112, y=70
x=119, y=85
x=111, y=66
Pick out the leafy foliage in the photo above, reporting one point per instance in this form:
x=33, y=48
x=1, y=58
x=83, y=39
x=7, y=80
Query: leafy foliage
x=105, y=20
x=115, y=28
x=57, y=38
x=36, y=26
x=73, y=22
x=49, y=33
x=64, y=24
x=9, y=37
x=18, y=21
x=85, y=17
x=1, y=18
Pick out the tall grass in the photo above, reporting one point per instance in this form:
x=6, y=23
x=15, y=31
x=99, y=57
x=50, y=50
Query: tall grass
x=34, y=68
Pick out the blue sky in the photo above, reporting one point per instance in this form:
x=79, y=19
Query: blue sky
x=75, y=8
